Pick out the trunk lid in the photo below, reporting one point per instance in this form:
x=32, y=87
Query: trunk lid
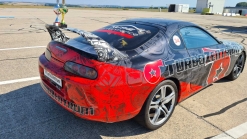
x=63, y=52
x=88, y=45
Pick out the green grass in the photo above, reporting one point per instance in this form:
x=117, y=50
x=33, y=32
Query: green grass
x=192, y=10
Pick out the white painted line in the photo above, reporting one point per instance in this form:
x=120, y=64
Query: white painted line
x=19, y=48
x=235, y=132
x=19, y=80
x=222, y=136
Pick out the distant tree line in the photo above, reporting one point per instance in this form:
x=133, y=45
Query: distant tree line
x=107, y=6
x=68, y=5
x=130, y=7
x=114, y=7
x=242, y=4
x=157, y=7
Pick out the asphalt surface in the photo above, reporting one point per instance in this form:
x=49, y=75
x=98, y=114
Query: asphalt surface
x=27, y=112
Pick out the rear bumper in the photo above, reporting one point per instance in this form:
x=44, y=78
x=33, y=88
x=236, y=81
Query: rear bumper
x=80, y=111
x=87, y=99
x=72, y=95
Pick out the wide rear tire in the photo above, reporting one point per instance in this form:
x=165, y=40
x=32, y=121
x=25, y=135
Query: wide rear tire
x=159, y=106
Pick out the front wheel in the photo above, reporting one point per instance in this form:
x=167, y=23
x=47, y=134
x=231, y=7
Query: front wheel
x=238, y=68
x=159, y=106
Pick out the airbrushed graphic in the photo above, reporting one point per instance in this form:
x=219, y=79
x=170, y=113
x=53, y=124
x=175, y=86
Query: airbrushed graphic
x=126, y=61
x=152, y=72
x=126, y=29
x=103, y=49
x=220, y=63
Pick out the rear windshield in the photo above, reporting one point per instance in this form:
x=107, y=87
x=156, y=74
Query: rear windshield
x=126, y=36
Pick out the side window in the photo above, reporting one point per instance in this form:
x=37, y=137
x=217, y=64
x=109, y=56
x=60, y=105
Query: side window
x=196, y=38
x=176, y=41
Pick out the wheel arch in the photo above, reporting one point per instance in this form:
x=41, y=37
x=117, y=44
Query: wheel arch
x=177, y=82
x=244, y=52
x=140, y=117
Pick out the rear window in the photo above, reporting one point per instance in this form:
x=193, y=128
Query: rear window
x=126, y=36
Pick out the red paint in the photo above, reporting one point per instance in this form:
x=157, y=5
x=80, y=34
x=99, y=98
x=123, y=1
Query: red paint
x=152, y=72
x=185, y=90
x=220, y=65
x=117, y=33
x=116, y=95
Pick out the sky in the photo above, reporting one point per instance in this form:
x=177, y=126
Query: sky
x=133, y=2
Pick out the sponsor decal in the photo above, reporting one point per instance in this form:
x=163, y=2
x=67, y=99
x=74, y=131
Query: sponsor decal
x=218, y=72
x=210, y=56
x=219, y=62
x=176, y=40
x=152, y=71
x=218, y=59
x=124, y=43
x=127, y=31
x=73, y=107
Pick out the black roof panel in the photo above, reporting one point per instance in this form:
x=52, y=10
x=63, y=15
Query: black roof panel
x=159, y=21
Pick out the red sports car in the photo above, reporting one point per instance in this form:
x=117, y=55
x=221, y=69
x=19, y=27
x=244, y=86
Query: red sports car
x=134, y=68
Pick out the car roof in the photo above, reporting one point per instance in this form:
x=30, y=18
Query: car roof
x=159, y=21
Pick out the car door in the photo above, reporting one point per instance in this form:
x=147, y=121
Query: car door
x=208, y=54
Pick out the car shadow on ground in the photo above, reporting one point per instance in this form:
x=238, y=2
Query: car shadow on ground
x=29, y=113
x=223, y=110
x=223, y=80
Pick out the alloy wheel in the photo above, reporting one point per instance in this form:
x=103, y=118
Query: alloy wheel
x=238, y=66
x=162, y=105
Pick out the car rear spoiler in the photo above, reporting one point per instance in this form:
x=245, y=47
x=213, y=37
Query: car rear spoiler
x=105, y=51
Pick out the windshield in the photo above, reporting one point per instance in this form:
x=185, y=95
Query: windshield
x=126, y=36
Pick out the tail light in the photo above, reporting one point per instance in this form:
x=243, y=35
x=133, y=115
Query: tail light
x=48, y=54
x=81, y=70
